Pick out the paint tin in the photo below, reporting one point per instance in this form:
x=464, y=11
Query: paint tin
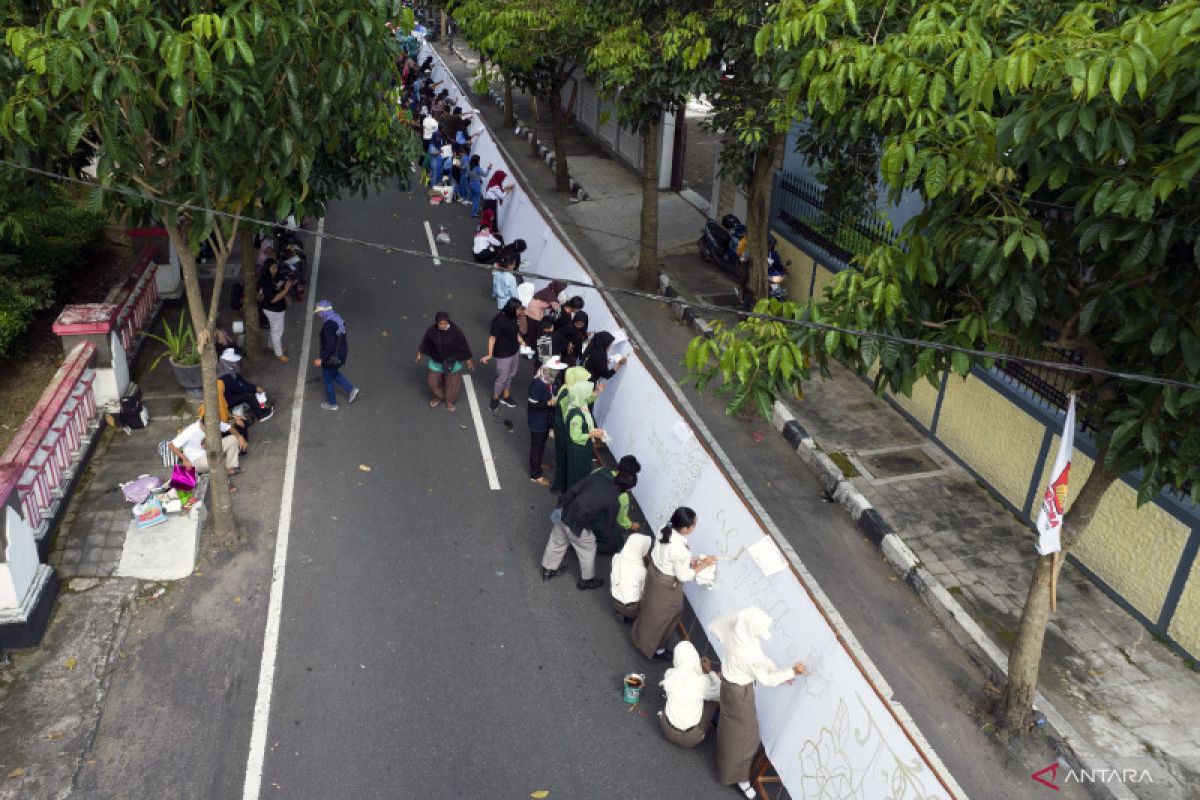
x=633, y=687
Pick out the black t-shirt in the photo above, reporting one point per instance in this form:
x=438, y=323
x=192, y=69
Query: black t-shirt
x=269, y=287
x=505, y=329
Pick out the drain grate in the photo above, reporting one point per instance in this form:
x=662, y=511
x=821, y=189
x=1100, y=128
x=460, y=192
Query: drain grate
x=895, y=463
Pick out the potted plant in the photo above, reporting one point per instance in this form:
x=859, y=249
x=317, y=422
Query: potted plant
x=181, y=352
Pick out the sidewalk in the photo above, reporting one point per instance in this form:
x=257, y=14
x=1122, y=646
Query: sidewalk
x=1131, y=702
x=110, y=694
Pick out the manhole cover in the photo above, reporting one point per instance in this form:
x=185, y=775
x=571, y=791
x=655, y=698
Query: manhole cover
x=728, y=300
x=899, y=462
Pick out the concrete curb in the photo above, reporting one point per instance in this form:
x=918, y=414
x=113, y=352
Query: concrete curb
x=529, y=134
x=545, y=153
x=1070, y=744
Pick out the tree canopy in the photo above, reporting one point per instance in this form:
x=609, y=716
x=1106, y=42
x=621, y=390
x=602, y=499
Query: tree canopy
x=220, y=108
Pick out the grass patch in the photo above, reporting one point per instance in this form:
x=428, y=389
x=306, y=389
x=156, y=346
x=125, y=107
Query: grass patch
x=843, y=463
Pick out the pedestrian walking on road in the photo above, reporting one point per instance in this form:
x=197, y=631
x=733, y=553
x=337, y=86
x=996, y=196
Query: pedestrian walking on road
x=692, y=691
x=576, y=509
x=273, y=288
x=504, y=345
x=542, y=405
x=628, y=577
x=671, y=565
x=581, y=431
x=445, y=345
x=333, y=355
x=744, y=663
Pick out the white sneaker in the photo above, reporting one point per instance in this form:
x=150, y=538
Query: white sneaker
x=329, y=406
x=353, y=396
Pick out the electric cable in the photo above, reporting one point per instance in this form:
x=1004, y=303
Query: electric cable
x=941, y=347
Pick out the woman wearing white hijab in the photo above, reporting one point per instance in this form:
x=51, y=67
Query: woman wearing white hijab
x=692, y=695
x=629, y=575
x=744, y=663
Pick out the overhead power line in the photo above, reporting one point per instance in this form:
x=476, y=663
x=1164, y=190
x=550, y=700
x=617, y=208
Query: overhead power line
x=808, y=324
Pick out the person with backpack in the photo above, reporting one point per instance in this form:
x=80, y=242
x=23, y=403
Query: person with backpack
x=333, y=355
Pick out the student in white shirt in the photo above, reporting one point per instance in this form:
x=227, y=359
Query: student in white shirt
x=486, y=246
x=692, y=693
x=629, y=575
x=671, y=565
x=188, y=447
x=744, y=663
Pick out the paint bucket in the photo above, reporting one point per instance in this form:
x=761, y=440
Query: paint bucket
x=633, y=687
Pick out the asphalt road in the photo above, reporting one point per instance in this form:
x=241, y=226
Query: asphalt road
x=420, y=654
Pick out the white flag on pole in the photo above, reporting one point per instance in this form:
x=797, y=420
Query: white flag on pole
x=1050, y=517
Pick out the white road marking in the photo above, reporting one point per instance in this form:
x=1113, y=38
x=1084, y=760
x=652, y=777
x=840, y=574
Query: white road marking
x=266, y=671
x=437, y=262
x=485, y=450
x=489, y=465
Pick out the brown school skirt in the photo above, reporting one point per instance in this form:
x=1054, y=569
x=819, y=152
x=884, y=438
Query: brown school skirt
x=737, y=735
x=693, y=735
x=626, y=610
x=662, y=603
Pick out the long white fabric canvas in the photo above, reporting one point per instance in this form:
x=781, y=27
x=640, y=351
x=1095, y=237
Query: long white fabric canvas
x=832, y=733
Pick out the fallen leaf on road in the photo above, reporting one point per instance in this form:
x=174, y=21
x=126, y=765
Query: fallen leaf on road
x=539, y=794
x=237, y=601
x=385, y=333
x=334, y=519
x=19, y=772
x=54, y=735
x=71, y=663
x=364, y=468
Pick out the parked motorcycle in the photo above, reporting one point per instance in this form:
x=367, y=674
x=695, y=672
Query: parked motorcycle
x=776, y=272
x=719, y=244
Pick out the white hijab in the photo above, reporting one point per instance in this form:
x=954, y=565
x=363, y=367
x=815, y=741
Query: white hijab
x=742, y=632
x=687, y=687
x=629, y=569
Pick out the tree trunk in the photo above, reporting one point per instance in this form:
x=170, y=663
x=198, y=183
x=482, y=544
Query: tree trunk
x=509, y=120
x=253, y=336
x=218, y=481
x=758, y=207
x=536, y=122
x=562, y=180
x=726, y=192
x=647, y=277
x=442, y=25
x=1025, y=658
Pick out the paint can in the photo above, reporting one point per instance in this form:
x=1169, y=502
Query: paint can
x=633, y=687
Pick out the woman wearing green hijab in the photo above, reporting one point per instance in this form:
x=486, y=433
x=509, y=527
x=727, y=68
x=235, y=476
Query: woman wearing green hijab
x=572, y=376
x=581, y=431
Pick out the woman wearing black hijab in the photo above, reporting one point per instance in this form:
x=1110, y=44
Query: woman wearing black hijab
x=448, y=352
x=569, y=339
x=595, y=358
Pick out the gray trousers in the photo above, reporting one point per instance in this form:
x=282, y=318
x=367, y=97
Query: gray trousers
x=585, y=548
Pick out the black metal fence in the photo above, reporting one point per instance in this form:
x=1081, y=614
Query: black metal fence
x=801, y=207
x=1051, y=385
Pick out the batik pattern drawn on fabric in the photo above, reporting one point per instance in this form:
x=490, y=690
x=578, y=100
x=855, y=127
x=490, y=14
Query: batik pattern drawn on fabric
x=830, y=772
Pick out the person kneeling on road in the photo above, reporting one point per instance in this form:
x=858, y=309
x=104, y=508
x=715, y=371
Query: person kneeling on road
x=577, y=507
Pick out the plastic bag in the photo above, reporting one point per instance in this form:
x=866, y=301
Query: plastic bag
x=149, y=513
x=138, y=489
x=183, y=478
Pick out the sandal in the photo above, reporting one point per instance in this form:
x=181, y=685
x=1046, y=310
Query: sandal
x=434, y=403
x=451, y=407
x=232, y=489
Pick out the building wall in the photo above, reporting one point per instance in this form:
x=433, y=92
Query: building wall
x=1146, y=558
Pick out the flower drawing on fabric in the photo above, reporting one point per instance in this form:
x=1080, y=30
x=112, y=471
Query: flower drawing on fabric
x=827, y=771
